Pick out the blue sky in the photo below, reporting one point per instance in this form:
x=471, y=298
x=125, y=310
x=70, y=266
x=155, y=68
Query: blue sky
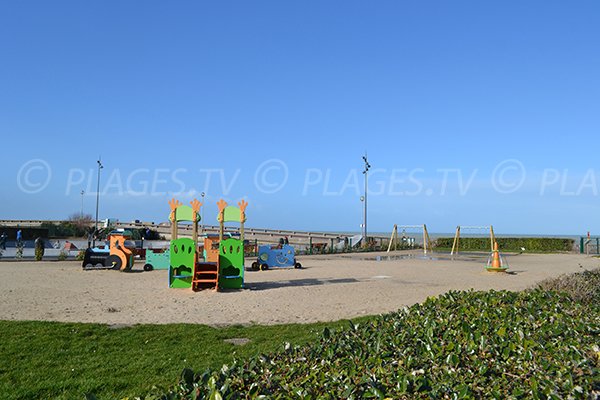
x=472, y=113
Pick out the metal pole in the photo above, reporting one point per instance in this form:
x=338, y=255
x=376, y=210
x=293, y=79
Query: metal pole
x=362, y=226
x=202, y=214
x=365, y=222
x=366, y=173
x=100, y=166
x=81, y=214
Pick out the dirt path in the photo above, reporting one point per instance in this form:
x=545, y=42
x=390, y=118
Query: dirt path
x=329, y=288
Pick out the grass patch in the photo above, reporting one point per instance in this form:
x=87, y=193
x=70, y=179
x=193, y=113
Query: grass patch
x=68, y=360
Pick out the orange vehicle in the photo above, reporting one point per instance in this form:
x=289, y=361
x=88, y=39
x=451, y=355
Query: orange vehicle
x=118, y=256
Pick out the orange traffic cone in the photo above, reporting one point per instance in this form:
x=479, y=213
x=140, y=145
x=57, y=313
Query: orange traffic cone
x=496, y=262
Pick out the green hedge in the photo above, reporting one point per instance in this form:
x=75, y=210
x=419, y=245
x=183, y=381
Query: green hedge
x=495, y=345
x=65, y=229
x=535, y=245
x=68, y=229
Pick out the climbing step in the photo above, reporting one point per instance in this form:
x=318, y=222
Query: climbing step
x=206, y=276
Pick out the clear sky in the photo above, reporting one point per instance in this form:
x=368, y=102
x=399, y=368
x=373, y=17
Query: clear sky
x=471, y=112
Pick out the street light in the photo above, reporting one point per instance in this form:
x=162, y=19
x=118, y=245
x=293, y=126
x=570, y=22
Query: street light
x=81, y=213
x=202, y=214
x=100, y=166
x=362, y=225
x=365, y=172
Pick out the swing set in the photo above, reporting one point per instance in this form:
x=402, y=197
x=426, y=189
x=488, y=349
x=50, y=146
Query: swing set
x=476, y=229
x=394, y=239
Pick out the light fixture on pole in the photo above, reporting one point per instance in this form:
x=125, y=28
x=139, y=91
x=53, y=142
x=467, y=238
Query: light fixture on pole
x=100, y=166
x=366, y=173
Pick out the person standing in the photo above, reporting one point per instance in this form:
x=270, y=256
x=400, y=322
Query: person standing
x=3, y=238
x=19, y=238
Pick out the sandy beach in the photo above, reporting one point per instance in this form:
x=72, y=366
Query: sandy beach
x=329, y=287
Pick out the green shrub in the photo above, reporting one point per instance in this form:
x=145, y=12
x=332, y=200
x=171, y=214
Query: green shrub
x=63, y=255
x=64, y=229
x=583, y=287
x=39, y=253
x=534, y=245
x=80, y=255
x=500, y=345
x=19, y=253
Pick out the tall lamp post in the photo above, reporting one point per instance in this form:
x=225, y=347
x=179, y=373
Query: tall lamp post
x=202, y=214
x=100, y=166
x=362, y=224
x=366, y=173
x=81, y=213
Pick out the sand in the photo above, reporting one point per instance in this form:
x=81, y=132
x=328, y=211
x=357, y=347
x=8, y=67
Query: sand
x=328, y=288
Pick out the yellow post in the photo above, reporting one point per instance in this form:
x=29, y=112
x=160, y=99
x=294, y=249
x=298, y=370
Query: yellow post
x=492, y=238
x=394, y=236
x=426, y=240
x=196, y=208
x=221, y=204
x=456, y=241
x=173, y=217
x=173, y=226
x=242, y=204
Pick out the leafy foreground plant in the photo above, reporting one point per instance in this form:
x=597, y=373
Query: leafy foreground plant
x=501, y=345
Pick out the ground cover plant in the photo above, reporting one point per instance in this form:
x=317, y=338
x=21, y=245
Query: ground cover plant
x=583, y=286
x=534, y=344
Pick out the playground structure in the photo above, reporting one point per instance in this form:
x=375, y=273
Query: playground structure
x=157, y=259
x=394, y=239
x=231, y=250
x=183, y=252
x=118, y=256
x=496, y=263
x=279, y=256
x=185, y=268
x=456, y=243
x=211, y=248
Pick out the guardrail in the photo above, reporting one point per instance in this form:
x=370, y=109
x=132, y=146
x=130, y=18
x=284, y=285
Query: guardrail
x=261, y=234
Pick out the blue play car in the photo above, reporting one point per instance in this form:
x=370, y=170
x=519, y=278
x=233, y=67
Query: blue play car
x=281, y=256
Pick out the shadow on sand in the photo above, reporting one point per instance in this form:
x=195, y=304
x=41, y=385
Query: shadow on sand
x=298, y=283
